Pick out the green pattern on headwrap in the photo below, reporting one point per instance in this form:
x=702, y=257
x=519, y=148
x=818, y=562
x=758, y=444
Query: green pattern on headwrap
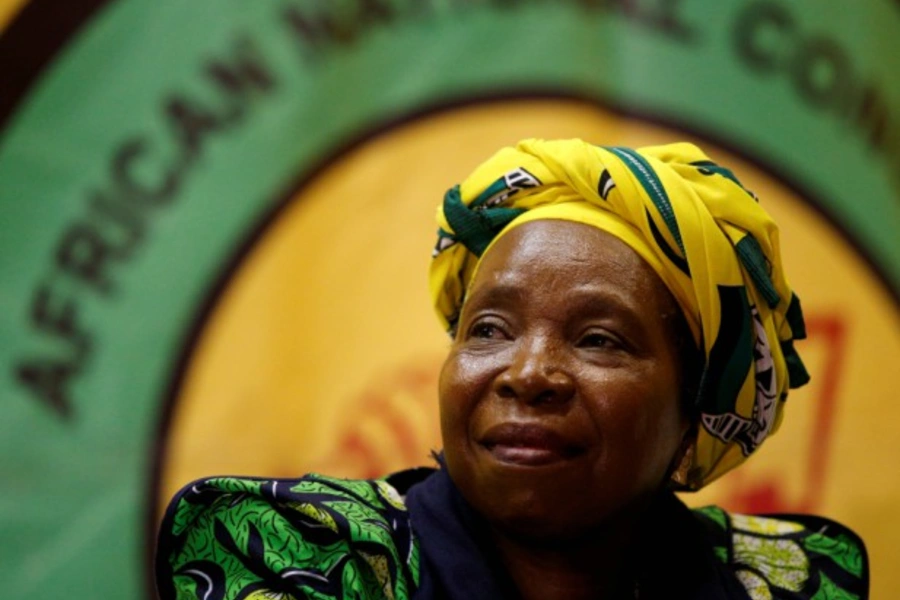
x=476, y=227
x=708, y=167
x=654, y=188
x=751, y=254
x=495, y=190
x=794, y=318
x=797, y=372
x=732, y=354
x=678, y=261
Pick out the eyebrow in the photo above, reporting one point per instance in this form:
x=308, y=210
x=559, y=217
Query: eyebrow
x=603, y=301
x=597, y=299
x=501, y=293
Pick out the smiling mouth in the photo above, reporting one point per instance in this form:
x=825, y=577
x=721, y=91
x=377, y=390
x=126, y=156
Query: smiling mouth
x=528, y=445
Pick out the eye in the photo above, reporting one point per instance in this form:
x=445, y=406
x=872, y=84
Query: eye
x=487, y=330
x=599, y=339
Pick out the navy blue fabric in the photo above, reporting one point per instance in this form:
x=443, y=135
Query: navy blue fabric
x=674, y=556
x=456, y=561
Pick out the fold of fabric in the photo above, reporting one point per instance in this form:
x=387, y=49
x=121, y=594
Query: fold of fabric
x=708, y=239
x=455, y=561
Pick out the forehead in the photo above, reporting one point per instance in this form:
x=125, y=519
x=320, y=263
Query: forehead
x=557, y=252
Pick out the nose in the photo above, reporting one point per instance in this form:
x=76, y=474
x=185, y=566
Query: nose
x=535, y=376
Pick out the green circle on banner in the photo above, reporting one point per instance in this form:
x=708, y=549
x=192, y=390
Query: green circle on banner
x=148, y=151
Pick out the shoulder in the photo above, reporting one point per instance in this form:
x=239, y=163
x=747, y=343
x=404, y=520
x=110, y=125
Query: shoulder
x=228, y=538
x=789, y=556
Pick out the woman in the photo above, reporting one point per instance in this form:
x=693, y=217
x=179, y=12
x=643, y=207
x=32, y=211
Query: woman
x=622, y=328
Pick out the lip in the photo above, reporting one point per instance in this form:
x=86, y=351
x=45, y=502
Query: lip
x=528, y=444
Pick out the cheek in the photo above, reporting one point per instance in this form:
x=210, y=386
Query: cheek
x=666, y=425
x=641, y=423
x=672, y=421
x=447, y=403
x=456, y=389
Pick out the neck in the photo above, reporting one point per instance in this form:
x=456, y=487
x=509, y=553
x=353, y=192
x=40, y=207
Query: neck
x=592, y=566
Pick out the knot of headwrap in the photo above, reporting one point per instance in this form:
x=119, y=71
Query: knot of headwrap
x=476, y=225
x=692, y=221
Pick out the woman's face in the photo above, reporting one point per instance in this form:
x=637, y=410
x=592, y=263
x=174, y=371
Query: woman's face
x=560, y=399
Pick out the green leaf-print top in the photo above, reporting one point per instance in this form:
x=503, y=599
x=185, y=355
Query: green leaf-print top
x=315, y=537
x=333, y=539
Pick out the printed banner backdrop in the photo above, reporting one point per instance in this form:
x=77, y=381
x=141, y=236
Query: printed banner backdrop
x=216, y=217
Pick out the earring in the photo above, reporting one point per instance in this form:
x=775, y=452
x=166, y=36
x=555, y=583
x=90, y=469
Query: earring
x=686, y=476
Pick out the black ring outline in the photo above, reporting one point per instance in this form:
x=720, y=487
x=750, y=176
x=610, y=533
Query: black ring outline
x=31, y=41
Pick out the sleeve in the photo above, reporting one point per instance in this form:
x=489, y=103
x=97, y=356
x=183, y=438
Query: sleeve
x=789, y=555
x=838, y=558
x=234, y=539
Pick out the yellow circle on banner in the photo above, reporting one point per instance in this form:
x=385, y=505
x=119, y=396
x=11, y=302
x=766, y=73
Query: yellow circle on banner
x=322, y=353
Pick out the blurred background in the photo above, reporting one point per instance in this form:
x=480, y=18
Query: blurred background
x=216, y=219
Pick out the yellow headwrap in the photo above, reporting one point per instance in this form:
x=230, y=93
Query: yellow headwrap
x=707, y=238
